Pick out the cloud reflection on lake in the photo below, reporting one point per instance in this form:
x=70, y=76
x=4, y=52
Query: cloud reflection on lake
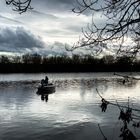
x=71, y=113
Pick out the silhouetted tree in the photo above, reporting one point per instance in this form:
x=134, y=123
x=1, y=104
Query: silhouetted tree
x=4, y=59
x=36, y=58
x=108, y=59
x=32, y=59
x=16, y=59
x=124, y=60
x=121, y=20
x=26, y=59
x=76, y=58
x=38, y=63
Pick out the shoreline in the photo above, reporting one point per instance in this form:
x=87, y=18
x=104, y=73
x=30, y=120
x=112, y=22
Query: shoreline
x=67, y=68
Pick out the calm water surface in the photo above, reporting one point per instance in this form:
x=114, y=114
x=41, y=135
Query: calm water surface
x=71, y=113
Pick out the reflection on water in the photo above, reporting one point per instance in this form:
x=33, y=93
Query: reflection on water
x=44, y=97
x=71, y=113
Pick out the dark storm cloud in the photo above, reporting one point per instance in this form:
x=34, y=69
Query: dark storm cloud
x=74, y=28
x=58, y=5
x=54, y=2
x=54, y=5
x=18, y=40
x=34, y=16
x=53, y=20
x=43, y=15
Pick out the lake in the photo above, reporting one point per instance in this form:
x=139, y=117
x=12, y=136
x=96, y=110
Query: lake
x=71, y=113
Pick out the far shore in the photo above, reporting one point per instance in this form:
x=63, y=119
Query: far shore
x=67, y=68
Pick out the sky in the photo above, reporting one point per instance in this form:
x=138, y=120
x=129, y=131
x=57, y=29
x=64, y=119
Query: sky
x=46, y=29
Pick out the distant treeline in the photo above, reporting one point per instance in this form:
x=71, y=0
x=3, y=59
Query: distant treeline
x=34, y=63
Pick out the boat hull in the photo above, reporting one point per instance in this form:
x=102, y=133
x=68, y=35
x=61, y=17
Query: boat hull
x=49, y=89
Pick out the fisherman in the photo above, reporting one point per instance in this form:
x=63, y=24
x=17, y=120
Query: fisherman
x=42, y=82
x=46, y=80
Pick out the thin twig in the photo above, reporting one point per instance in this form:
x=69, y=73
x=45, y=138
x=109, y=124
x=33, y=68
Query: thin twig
x=105, y=138
x=126, y=76
x=116, y=104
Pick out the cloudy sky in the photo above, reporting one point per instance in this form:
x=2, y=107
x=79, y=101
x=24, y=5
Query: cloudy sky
x=48, y=27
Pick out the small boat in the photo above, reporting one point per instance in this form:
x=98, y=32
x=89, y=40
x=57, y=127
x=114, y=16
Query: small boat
x=47, y=89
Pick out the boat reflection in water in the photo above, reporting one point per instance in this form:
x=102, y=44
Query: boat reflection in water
x=44, y=91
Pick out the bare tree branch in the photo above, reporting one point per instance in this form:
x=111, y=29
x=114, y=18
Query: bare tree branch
x=20, y=6
x=122, y=21
x=126, y=116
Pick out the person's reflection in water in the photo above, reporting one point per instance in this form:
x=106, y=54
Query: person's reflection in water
x=44, y=97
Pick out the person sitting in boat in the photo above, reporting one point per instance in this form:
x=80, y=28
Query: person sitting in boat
x=42, y=82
